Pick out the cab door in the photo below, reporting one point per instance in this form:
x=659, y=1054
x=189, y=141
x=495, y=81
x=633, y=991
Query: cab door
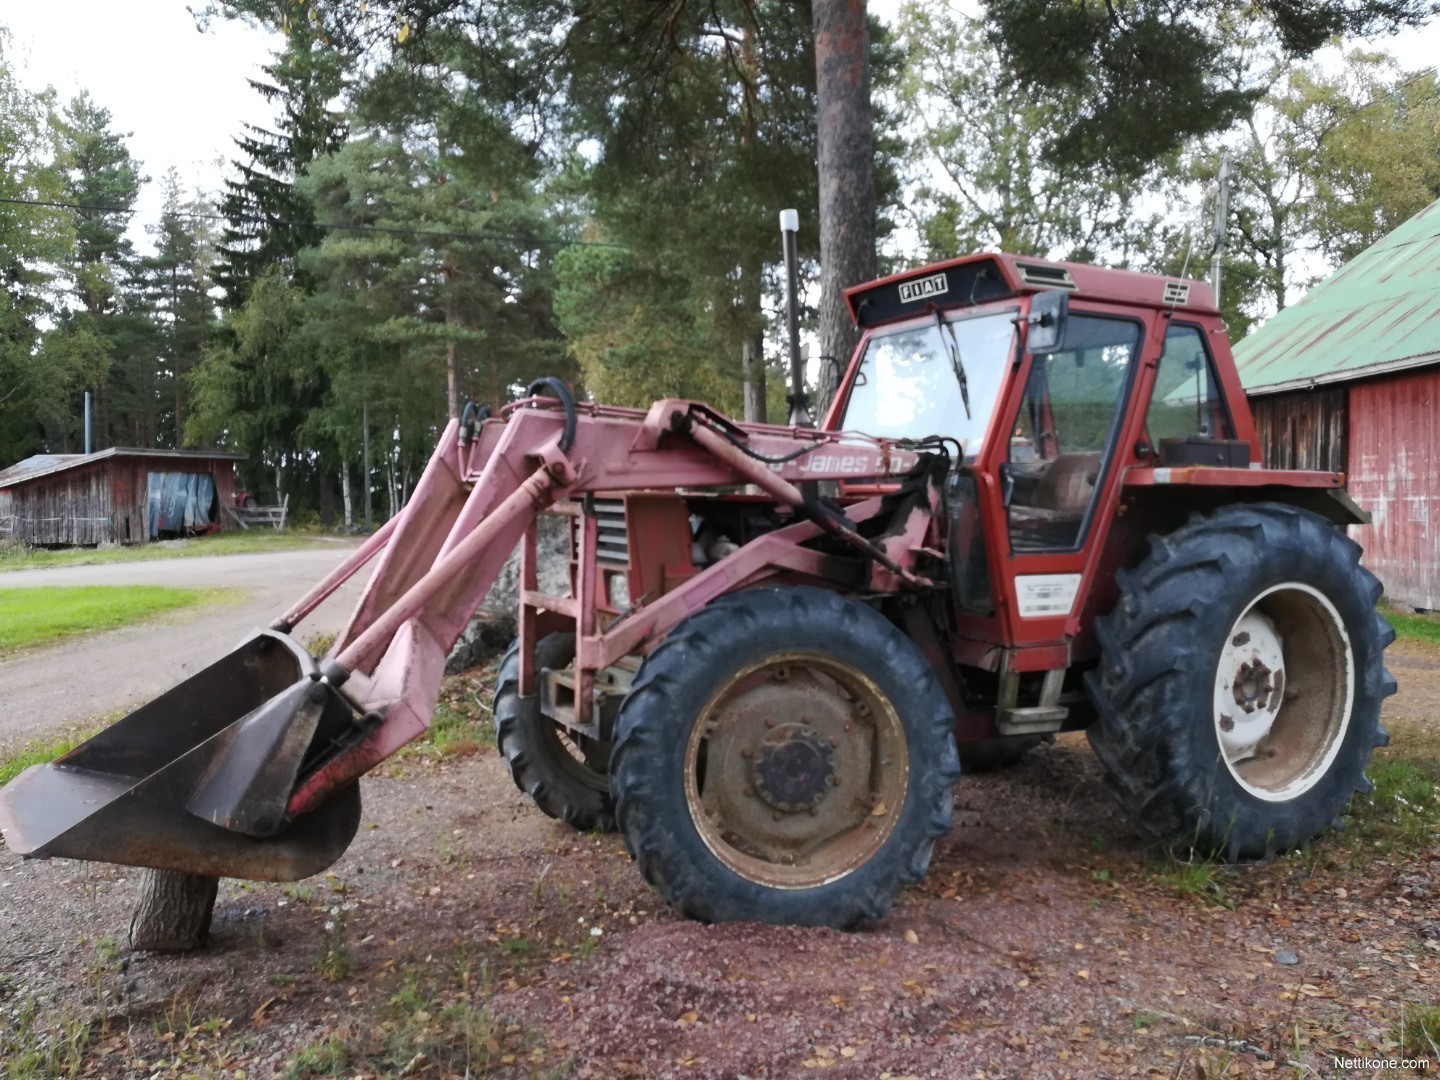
x=1056, y=467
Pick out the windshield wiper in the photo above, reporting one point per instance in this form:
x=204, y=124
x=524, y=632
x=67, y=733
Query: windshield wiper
x=953, y=348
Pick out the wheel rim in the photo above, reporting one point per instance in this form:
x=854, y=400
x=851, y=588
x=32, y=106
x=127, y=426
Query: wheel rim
x=796, y=771
x=1280, y=725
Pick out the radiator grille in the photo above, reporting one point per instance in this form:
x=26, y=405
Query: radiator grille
x=612, y=542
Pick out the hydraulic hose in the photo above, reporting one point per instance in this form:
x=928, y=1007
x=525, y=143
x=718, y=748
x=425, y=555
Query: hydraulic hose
x=561, y=391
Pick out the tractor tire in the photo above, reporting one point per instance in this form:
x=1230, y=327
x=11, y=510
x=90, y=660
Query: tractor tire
x=786, y=755
x=990, y=755
x=1240, y=682
x=570, y=785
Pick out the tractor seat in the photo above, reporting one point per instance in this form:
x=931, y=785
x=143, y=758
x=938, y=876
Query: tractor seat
x=1068, y=484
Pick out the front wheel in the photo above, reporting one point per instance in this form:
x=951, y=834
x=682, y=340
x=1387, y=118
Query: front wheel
x=787, y=756
x=1240, y=681
x=564, y=773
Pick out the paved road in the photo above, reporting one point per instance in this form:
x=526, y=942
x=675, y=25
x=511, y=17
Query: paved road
x=58, y=686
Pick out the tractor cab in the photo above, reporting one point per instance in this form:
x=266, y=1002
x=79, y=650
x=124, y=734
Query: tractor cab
x=1054, y=385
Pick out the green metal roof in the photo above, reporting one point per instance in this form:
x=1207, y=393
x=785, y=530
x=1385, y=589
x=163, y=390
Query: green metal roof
x=1379, y=312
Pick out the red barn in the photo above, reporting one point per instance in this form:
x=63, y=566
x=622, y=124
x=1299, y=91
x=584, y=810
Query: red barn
x=1349, y=380
x=116, y=496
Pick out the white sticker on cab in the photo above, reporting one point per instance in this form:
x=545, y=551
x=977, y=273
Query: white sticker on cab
x=1046, y=596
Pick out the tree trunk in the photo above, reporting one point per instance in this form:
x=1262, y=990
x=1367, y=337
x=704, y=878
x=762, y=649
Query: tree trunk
x=345, y=495
x=365, y=459
x=752, y=369
x=847, y=175
x=173, y=912
x=390, y=480
x=452, y=374
x=175, y=373
x=327, y=497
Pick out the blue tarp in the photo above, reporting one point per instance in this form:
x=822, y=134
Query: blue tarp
x=179, y=503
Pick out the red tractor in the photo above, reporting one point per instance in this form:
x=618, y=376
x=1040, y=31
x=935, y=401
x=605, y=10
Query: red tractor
x=1035, y=506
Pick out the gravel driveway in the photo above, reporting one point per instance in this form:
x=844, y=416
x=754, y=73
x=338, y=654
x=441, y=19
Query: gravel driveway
x=55, y=687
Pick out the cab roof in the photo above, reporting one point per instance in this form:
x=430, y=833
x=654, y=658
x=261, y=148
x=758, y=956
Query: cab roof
x=978, y=279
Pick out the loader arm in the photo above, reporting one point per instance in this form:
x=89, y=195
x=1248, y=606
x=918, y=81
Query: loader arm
x=259, y=781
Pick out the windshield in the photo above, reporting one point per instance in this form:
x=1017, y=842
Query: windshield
x=907, y=386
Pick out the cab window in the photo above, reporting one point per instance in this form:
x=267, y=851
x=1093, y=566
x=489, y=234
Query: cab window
x=1186, y=401
x=1064, y=432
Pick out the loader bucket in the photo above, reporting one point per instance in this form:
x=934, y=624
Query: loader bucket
x=198, y=780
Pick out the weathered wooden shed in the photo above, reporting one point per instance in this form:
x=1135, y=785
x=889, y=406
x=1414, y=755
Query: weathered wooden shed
x=1348, y=380
x=116, y=496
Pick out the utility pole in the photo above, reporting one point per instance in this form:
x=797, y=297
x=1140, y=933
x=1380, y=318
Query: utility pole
x=1222, y=212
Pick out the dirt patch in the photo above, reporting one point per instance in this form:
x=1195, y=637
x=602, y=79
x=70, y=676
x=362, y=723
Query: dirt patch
x=464, y=932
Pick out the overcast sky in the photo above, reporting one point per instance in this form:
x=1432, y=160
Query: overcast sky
x=183, y=94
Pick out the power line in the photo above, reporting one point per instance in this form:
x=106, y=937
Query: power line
x=532, y=240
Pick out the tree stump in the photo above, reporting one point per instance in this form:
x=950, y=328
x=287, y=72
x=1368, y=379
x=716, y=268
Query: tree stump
x=173, y=911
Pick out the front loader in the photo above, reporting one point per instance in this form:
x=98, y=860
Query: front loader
x=1035, y=506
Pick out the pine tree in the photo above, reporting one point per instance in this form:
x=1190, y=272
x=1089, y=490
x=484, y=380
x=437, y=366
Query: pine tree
x=706, y=130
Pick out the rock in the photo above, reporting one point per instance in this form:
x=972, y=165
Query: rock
x=1286, y=957
x=492, y=627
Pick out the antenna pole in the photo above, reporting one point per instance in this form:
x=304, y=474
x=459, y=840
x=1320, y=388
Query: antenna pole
x=1222, y=210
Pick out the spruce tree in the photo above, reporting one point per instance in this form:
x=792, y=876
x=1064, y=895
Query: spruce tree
x=268, y=223
x=101, y=180
x=176, y=283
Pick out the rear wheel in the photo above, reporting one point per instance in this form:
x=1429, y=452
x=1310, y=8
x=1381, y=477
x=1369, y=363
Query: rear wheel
x=564, y=772
x=1240, y=682
x=787, y=756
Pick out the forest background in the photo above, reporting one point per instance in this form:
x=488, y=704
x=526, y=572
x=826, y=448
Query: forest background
x=458, y=196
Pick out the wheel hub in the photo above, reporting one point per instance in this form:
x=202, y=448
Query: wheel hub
x=1278, y=735
x=793, y=770
x=796, y=770
x=1253, y=685
x=1251, y=666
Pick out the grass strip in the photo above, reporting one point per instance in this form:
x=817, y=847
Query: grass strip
x=32, y=616
x=20, y=557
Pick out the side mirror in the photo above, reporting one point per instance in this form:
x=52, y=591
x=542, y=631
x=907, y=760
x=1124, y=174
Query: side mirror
x=1049, y=312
